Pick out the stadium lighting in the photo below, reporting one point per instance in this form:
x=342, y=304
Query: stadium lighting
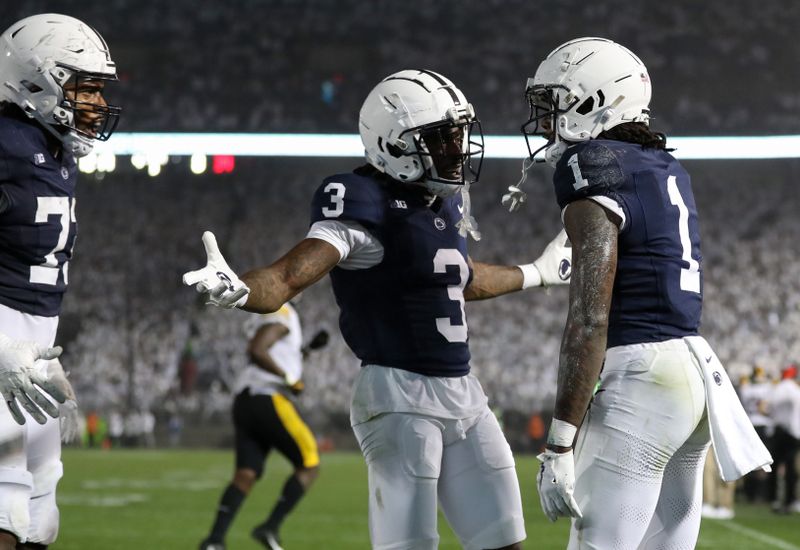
x=198, y=163
x=349, y=145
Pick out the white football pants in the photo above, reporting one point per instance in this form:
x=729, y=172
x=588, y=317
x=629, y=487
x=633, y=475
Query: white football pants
x=30, y=455
x=466, y=465
x=640, y=453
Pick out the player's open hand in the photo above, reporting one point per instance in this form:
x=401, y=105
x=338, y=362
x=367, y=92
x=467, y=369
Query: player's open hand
x=218, y=281
x=555, y=263
x=556, y=482
x=19, y=376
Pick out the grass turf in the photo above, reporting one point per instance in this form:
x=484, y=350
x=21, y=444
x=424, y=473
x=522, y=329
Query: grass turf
x=135, y=499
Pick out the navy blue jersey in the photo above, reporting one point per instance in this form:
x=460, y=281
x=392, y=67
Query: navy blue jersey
x=658, y=290
x=408, y=311
x=37, y=219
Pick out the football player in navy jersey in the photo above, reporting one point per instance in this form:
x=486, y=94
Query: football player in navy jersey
x=392, y=234
x=634, y=310
x=53, y=70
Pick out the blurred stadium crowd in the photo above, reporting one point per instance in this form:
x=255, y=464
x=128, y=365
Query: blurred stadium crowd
x=134, y=335
x=136, y=340
x=288, y=66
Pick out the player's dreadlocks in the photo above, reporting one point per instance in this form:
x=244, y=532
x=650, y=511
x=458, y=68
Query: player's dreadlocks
x=637, y=132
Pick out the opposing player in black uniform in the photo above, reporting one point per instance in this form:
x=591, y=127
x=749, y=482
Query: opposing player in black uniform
x=265, y=418
x=53, y=71
x=392, y=234
x=635, y=303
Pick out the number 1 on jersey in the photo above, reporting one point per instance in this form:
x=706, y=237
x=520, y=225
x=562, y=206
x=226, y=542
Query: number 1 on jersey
x=690, y=278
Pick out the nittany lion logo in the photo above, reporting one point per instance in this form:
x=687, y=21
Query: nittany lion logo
x=439, y=223
x=717, y=378
x=225, y=279
x=564, y=269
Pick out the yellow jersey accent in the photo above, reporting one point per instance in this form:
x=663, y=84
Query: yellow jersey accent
x=298, y=429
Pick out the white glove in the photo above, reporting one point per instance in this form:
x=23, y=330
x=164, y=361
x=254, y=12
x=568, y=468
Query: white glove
x=18, y=376
x=216, y=279
x=69, y=420
x=556, y=481
x=555, y=263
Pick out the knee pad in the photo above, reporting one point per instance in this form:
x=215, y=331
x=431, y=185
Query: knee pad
x=44, y=519
x=16, y=486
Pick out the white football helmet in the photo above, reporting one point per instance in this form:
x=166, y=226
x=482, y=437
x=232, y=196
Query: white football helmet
x=39, y=56
x=417, y=126
x=582, y=88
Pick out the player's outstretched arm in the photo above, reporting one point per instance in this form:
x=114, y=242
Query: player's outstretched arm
x=18, y=378
x=266, y=289
x=305, y=264
x=553, y=267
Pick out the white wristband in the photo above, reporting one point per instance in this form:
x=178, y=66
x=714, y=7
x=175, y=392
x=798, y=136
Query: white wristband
x=561, y=434
x=530, y=276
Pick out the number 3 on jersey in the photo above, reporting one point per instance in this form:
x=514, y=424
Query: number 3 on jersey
x=443, y=258
x=337, y=200
x=47, y=272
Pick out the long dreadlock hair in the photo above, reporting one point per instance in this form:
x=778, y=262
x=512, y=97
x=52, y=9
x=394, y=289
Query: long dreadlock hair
x=637, y=132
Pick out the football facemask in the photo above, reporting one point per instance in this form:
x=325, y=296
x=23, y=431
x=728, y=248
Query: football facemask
x=90, y=115
x=449, y=152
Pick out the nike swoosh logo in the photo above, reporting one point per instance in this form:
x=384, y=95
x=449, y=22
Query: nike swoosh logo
x=460, y=209
x=709, y=358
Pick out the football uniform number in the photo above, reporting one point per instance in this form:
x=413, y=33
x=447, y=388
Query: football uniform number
x=337, y=200
x=580, y=181
x=443, y=258
x=690, y=277
x=47, y=272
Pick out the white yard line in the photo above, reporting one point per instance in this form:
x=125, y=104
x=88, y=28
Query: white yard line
x=758, y=535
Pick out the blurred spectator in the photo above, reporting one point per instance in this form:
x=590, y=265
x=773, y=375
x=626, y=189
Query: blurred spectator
x=754, y=393
x=784, y=407
x=718, y=495
x=116, y=428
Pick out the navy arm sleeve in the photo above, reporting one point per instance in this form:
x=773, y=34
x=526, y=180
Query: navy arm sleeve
x=588, y=169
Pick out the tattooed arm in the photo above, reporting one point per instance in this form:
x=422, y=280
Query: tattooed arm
x=593, y=232
x=301, y=267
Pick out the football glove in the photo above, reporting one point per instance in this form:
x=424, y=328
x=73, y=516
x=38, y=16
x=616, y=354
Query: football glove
x=218, y=281
x=556, y=482
x=69, y=420
x=555, y=263
x=18, y=375
x=295, y=385
x=69, y=417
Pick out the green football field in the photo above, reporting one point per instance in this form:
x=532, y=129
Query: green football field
x=119, y=500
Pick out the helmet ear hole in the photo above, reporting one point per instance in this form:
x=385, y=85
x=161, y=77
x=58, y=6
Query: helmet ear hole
x=394, y=150
x=585, y=107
